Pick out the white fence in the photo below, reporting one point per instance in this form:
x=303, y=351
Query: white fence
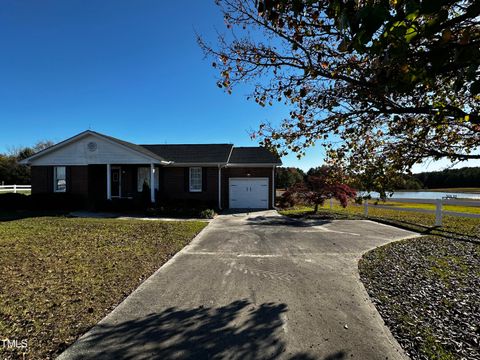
x=439, y=212
x=15, y=188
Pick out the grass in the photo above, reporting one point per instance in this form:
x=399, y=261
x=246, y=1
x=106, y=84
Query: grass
x=25, y=192
x=426, y=289
x=456, y=208
x=421, y=222
x=62, y=275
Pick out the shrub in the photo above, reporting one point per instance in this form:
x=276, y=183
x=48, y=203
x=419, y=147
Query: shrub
x=56, y=201
x=207, y=214
x=12, y=201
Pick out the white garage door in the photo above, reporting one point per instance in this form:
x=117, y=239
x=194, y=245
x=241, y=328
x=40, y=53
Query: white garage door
x=248, y=193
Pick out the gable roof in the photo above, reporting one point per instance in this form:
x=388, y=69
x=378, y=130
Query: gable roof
x=192, y=153
x=139, y=148
x=72, y=139
x=180, y=153
x=253, y=155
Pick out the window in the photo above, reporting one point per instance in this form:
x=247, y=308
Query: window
x=143, y=176
x=60, y=179
x=195, y=179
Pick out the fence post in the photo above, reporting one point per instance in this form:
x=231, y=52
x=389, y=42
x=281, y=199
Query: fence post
x=331, y=203
x=438, y=212
x=14, y=189
x=365, y=204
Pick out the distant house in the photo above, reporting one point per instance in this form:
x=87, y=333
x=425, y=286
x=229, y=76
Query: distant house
x=99, y=167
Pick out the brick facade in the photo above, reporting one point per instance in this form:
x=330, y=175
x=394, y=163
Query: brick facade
x=90, y=182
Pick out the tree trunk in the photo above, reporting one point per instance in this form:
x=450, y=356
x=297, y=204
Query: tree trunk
x=315, y=210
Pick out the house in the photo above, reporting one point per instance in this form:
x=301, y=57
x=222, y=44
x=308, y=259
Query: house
x=98, y=167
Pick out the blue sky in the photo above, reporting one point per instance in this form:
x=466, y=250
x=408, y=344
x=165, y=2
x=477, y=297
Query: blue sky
x=130, y=69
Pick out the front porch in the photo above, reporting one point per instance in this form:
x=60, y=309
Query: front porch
x=127, y=181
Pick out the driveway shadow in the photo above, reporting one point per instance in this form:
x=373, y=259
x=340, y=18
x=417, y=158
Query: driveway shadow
x=239, y=330
x=285, y=221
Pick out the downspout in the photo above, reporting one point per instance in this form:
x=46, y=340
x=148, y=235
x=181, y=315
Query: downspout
x=219, y=187
x=273, y=187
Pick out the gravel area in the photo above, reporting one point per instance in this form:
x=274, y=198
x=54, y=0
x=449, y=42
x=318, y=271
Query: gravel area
x=428, y=293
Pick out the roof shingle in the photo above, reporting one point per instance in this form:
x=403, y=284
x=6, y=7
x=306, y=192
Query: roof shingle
x=253, y=155
x=192, y=153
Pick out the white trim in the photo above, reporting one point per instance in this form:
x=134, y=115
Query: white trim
x=174, y=164
x=230, y=155
x=190, y=179
x=55, y=179
x=152, y=183
x=251, y=165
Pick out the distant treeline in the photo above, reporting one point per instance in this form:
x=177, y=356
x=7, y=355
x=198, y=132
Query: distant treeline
x=450, y=178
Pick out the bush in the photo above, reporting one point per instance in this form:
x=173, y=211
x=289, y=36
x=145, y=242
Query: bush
x=207, y=214
x=56, y=201
x=47, y=201
x=12, y=201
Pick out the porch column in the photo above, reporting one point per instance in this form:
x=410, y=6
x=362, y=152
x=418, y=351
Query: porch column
x=109, y=182
x=152, y=183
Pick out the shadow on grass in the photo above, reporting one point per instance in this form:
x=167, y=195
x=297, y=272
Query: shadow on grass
x=239, y=330
x=428, y=230
x=407, y=225
x=12, y=215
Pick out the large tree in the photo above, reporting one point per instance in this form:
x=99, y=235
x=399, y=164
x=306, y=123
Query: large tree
x=287, y=177
x=398, y=78
x=11, y=171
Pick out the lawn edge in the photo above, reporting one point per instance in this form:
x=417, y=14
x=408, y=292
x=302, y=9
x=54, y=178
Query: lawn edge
x=388, y=332
x=69, y=352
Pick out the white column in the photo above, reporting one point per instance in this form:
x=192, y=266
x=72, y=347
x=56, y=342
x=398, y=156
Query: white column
x=273, y=187
x=219, y=187
x=152, y=183
x=109, y=182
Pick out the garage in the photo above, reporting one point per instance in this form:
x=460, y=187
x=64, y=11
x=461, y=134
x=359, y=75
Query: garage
x=248, y=193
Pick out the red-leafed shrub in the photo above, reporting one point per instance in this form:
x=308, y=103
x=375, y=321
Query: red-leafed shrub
x=316, y=189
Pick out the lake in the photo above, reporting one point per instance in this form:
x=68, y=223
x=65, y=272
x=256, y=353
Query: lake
x=427, y=195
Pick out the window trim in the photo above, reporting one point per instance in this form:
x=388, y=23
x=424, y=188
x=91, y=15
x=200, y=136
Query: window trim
x=55, y=179
x=190, y=179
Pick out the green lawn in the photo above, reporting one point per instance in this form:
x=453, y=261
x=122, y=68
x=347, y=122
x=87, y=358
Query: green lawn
x=61, y=275
x=456, y=208
x=422, y=222
x=426, y=289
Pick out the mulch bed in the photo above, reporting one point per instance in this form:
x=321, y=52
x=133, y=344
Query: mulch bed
x=428, y=293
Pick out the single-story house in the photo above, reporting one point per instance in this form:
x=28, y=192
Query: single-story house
x=100, y=167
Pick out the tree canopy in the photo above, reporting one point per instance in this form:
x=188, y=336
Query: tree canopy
x=396, y=78
x=287, y=177
x=13, y=173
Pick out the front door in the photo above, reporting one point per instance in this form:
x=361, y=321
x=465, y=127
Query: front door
x=116, y=182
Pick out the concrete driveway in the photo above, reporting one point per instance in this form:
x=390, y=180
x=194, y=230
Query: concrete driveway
x=256, y=286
